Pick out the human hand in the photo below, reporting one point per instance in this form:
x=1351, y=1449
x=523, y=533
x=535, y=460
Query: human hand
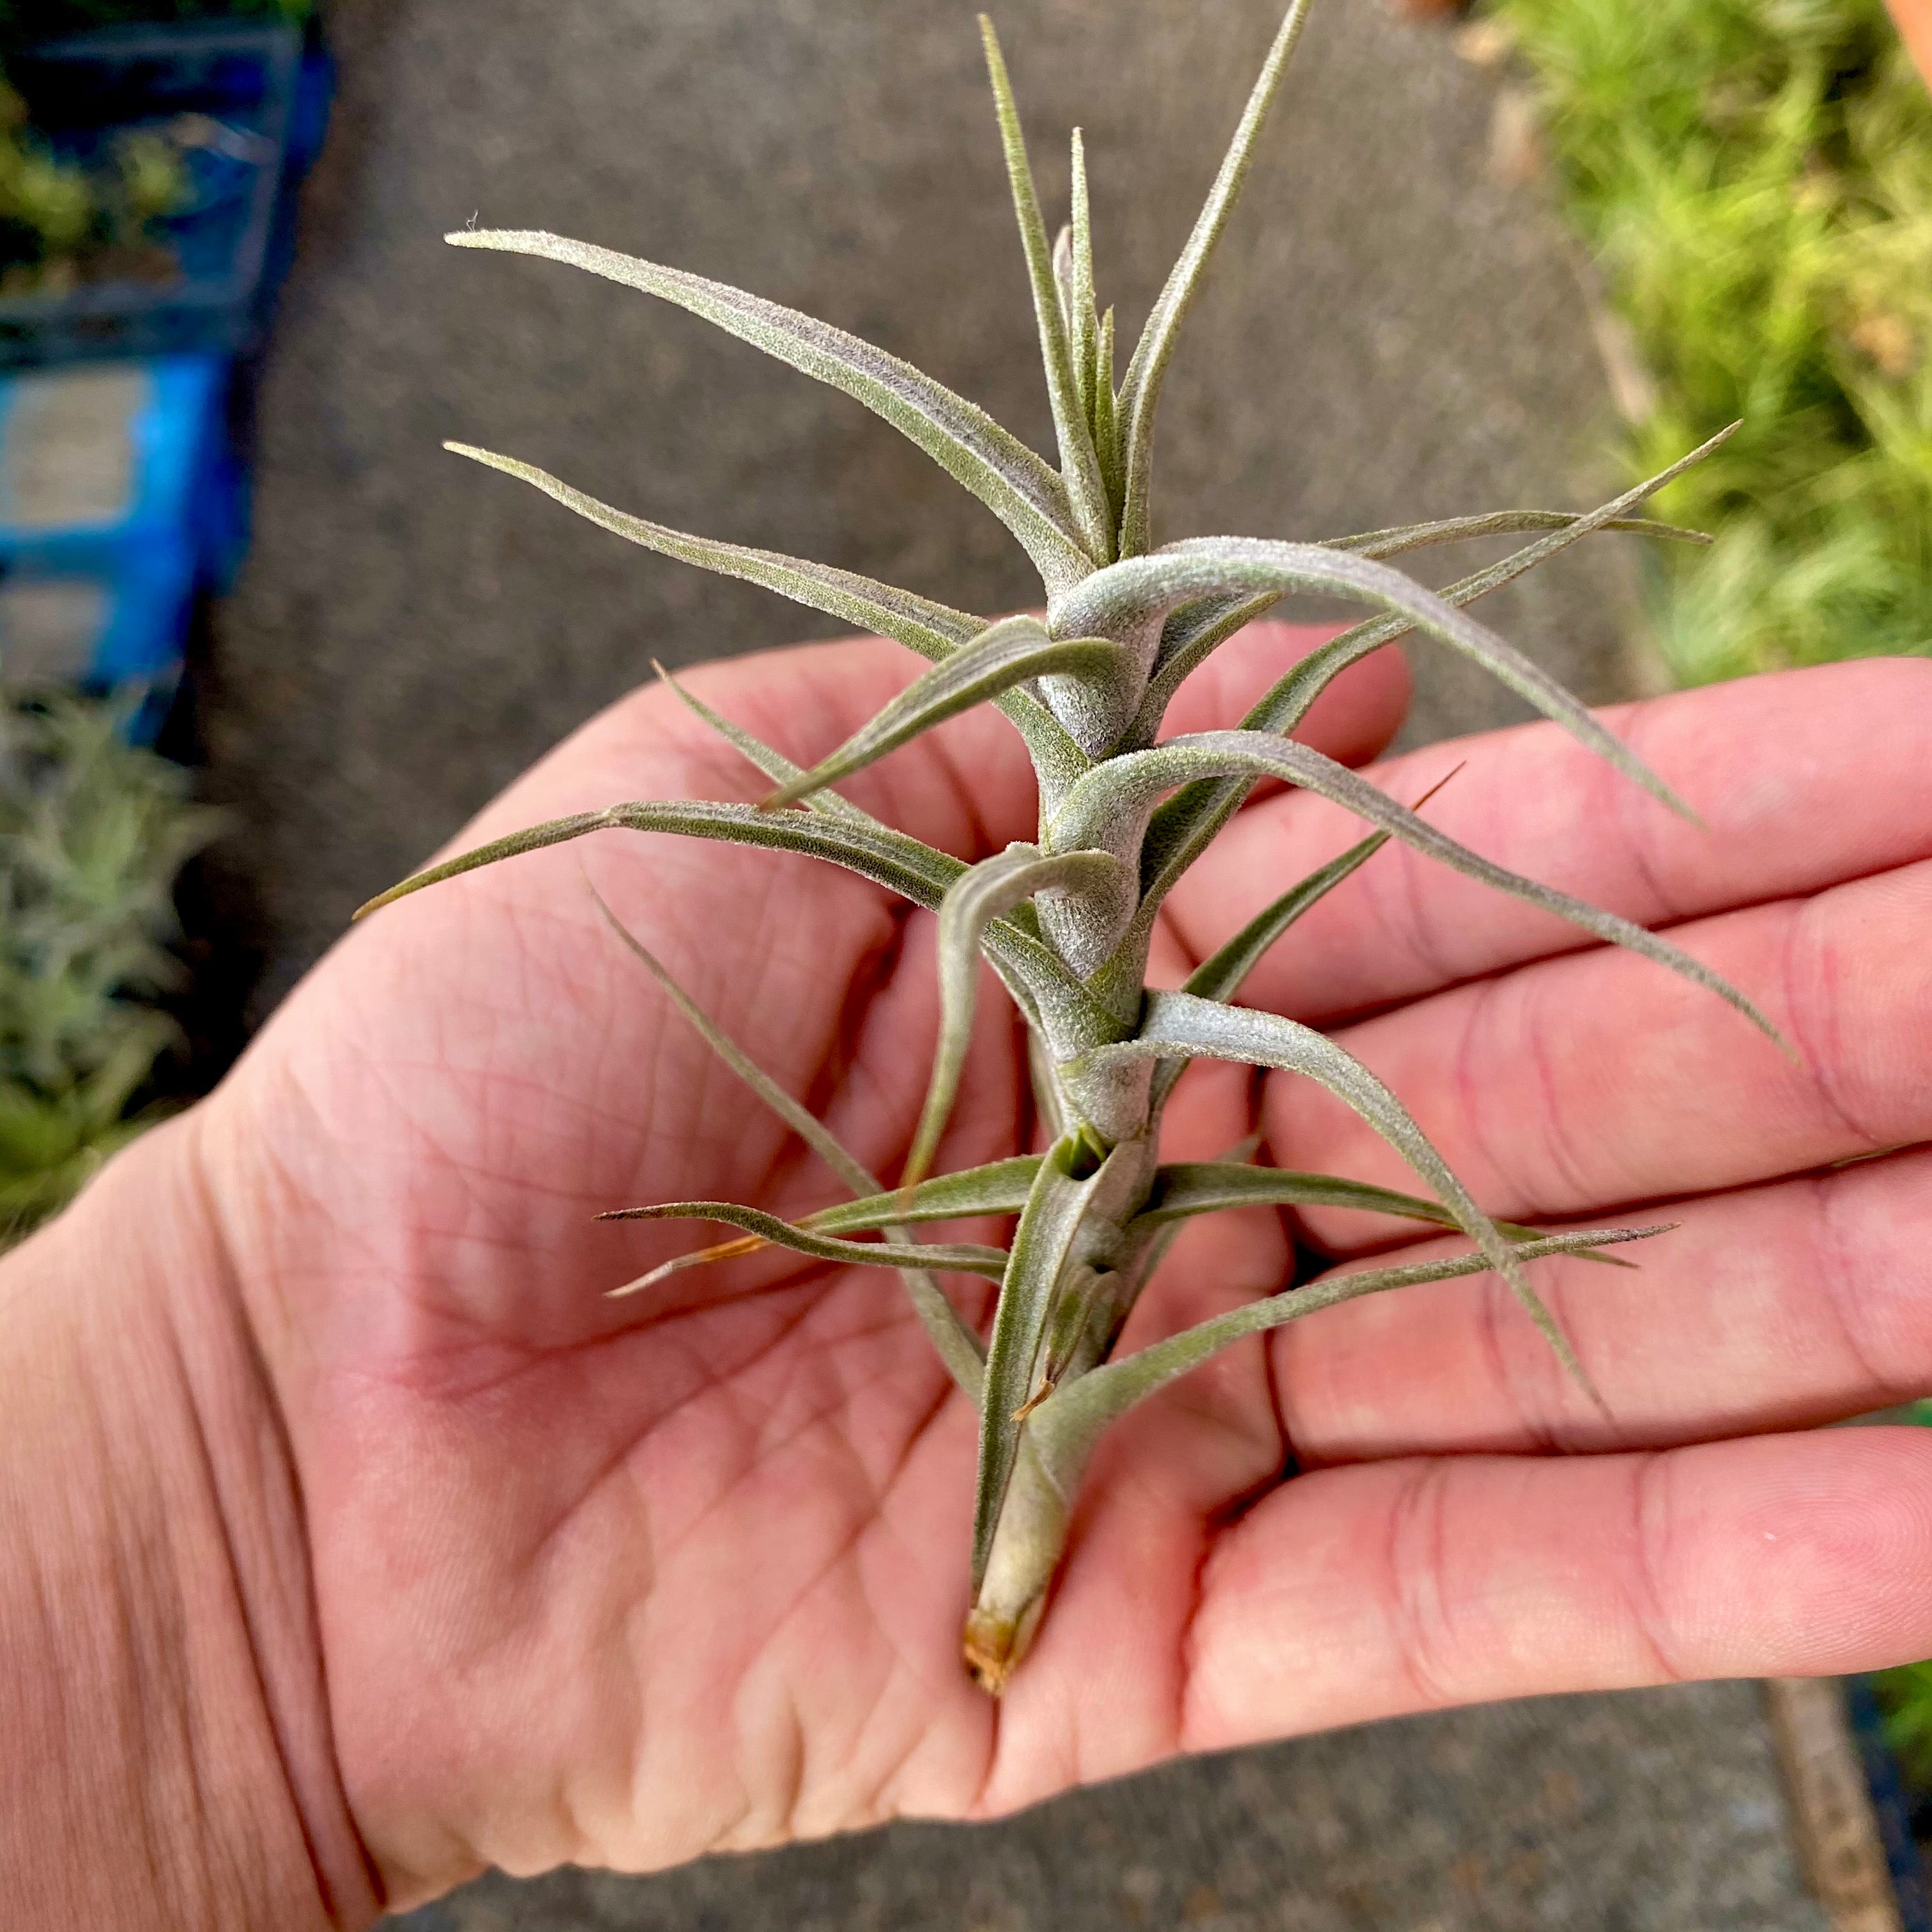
x=621, y=1582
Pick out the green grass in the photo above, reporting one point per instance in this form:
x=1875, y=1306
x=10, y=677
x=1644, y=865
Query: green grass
x=93, y=832
x=1755, y=179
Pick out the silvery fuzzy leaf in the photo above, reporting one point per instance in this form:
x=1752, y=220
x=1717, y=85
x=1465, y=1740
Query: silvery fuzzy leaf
x=1080, y=468
x=1083, y=319
x=1184, y=1188
x=1106, y=420
x=1109, y=807
x=773, y=763
x=1035, y=975
x=1065, y=1429
x=957, y=1345
x=999, y=1187
x=1015, y=483
x=1003, y=656
x=1140, y=391
x=1401, y=537
x=1181, y=1026
x=1184, y=827
x=973, y=900
x=1117, y=602
x=960, y=1258
x=934, y=631
x=1041, y=1245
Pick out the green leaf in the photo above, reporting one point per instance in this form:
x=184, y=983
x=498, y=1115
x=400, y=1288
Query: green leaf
x=999, y=1187
x=1042, y=1244
x=976, y=898
x=1083, y=321
x=1400, y=538
x=1140, y=392
x=1180, y=1026
x=1014, y=483
x=1109, y=808
x=1184, y=1188
x=1106, y=422
x=1184, y=827
x=961, y=1258
x=1065, y=1429
x=1080, y=468
x=934, y=631
x=958, y=1346
x=1004, y=654
x=773, y=763
x=1034, y=973
x=1115, y=601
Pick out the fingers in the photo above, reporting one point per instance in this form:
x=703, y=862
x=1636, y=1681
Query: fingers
x=1357, y=1593
x=1804, y=779
x=1602, y=1078
x=1777, y=1307
x=967, y=787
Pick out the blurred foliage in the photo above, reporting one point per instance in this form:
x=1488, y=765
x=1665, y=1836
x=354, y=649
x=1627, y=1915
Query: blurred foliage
x=22, y=20
x=93, y=831
x=60, y=223
x=1755, y=177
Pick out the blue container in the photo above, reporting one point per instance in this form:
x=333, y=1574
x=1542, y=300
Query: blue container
x=244, y=105
x=119, y=498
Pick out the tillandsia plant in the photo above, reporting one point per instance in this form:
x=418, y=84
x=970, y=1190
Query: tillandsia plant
x=1066, y=920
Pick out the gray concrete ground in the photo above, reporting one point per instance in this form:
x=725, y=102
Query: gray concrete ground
x=1392, y=335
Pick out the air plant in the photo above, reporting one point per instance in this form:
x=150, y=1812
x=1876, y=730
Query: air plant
x=1066, y=920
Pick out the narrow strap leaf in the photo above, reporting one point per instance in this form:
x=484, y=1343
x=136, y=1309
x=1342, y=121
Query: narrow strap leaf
x=1014, y=483
x=1080, y=468
x=1106, y=420
x=999, y=1187
x=958, y=1346
x=1003, y=655
x=1180, y=1026
x=972, y=902
x=1041, y=1243
x=1140, y=393
x=1065, y=1429
x=1186, y=824
x=1083, y=322
x=959, y=1258
x=773, y=763
x=1113, y=602
x=1033, y=973
x=934, y=631
x=1111, y=802
x=1401, y=537
x=1185, y=1188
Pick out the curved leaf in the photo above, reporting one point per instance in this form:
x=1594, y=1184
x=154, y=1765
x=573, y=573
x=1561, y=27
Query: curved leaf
x=1140, y=391
x=1065, y=1429
x=1080, y=468
x=1400, y=538
x=959, y=1258
x=1004, y=654
x=958, y=1346
x=1115, y=602
x=1180, y=1026
x=973, y=900
x=999, y=1187
x=1014, y=483
x=1042, y=1244
x=1111, y=804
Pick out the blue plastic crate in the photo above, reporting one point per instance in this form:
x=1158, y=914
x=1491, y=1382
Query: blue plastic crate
x=119, y=498
x=246, y=105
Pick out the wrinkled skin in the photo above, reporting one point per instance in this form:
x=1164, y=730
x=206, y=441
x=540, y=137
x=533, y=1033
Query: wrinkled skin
x=623, y=1582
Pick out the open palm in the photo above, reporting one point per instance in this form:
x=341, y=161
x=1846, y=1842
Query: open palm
x=622, y=1582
